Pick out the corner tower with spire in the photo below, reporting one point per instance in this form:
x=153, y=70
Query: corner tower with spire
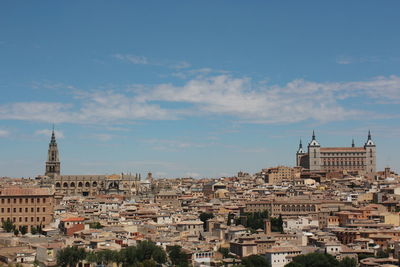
x=53, y=161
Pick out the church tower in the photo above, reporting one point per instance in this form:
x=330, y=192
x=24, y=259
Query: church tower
x=53, y=161
x=314, y=154
x=370, y=159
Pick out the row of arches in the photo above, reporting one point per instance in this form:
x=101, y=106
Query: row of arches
x=302, y=208
x=73, y=185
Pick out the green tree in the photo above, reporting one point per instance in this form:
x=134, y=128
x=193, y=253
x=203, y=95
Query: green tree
x=16, y=232
x=177, y=256
x=95, y=225
x=255, y=220
x=224, y=252
x=382, y=253
x=204, y=217
x=255, y=261
x=348, y=262
x=8, y=225
x=314, y=260
x=277, y=224
x=70, y=256
x=34, y=230
x=23, y=229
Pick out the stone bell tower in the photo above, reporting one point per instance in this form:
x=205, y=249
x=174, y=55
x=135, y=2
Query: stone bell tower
x=53, y=161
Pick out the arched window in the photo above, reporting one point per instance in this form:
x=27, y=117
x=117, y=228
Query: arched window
x=58, y=185
x=80, y=184
x=94, y=184
x=65, y=185
x=87, y=184
x=72, y=184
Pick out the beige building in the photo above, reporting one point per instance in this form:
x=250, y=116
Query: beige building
x=361, y=160
x=27, y=206
x=278, y=174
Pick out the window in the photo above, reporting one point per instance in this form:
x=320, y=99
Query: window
x=44, y=200
x=26, y=209
x=31, y=219
x=44, y=209
x=44, y=219
x=32, y=210
x=26, y=219
x=14, y=209
x=26, y=200
x=20, y=209
x=38, y=210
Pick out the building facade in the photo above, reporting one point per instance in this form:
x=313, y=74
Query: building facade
x=361, y=160
x=85, y=185
x=27, y=206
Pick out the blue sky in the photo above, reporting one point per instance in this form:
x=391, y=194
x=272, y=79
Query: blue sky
x=194, y=88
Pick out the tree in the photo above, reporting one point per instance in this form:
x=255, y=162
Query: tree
x=23, y=229
x=177, y=256
x=382, y=253
x=314, y=260
x=255, y=220
x=255, y=261
x=277, y=224
x=70, y=256
x=224, y=252
x=8, y=225
x=348, y=262
x=34, y=230
x=95, y=225
x=204, y=217
x=16, y=232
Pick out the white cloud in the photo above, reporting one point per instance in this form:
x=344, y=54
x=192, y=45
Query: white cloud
x=205, y=95
x=181, y=65
x=47, y=132
x=172, y=145
x=103, y=137
x=132, y=58
x=4, y=133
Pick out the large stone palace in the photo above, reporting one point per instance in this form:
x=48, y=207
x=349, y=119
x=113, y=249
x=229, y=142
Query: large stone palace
x=361, y=160
x=85, y=185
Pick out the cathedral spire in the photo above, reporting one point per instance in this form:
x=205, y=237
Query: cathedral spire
x=53, y=137
x=352, y=143
x=313, y=135
x=53, y=161
x=369, y=134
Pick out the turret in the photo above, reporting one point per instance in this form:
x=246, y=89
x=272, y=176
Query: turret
x=314, y=154
x=370, y=159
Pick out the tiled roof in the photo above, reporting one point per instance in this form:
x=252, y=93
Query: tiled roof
x=340, y=149
x=18, y=191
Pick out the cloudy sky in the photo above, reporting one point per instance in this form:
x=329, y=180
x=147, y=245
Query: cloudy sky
x=194, y=88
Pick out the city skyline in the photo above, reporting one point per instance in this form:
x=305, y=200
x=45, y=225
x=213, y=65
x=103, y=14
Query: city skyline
x=201, y=90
